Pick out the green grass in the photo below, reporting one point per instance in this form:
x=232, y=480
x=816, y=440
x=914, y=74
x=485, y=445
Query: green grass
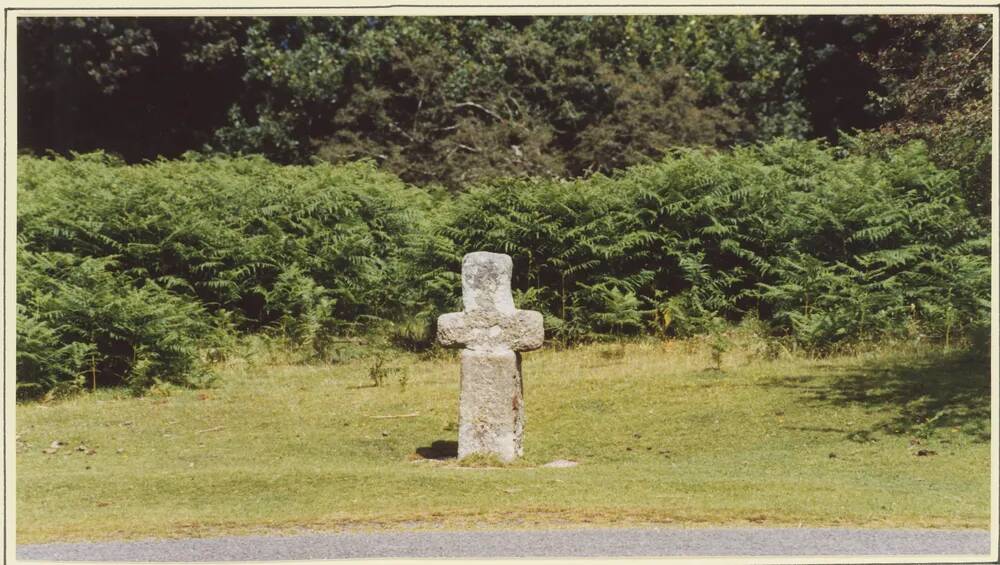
x=661, y=437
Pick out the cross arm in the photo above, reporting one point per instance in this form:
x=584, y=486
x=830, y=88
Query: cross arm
x=527, y=332
x=521, y=330
x=452, y=330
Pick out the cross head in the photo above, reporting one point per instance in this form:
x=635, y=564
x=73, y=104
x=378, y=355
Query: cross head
x=489, y=320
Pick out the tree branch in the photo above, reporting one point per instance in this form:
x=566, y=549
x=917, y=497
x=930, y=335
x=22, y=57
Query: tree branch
x=395, y=127
x=973, y=58
x=480, y=107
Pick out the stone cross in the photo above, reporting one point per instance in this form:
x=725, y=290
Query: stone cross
x=494, y=332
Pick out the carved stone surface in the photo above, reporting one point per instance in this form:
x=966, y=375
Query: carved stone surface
x=493, y=332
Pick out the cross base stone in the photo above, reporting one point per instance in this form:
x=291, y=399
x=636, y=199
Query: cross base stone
x=491, y=411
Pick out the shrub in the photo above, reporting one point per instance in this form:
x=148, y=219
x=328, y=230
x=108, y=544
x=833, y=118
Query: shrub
x=80, y=323
x=147, y=251
x=123, y=267
x=821, y=244
x=300, y=247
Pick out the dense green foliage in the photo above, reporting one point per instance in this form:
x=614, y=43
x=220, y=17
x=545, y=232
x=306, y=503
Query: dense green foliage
x=129, y=274
x=81, y=322
x=839, y=81
x=460, y=100
x=597, y=151
x=305, y=249
x=939, y=83
x=131, y=86
x=432, y=99
x=823, y=247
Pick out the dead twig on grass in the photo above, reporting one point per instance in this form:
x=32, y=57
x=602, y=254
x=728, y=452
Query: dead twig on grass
x=395, y=416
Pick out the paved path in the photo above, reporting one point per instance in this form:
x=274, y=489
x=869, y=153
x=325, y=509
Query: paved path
x=632, y=542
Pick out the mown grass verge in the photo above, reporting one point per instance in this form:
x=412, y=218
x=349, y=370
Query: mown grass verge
x=896, y=438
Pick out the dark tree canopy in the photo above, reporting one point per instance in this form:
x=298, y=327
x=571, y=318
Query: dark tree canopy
x=140, y=88
x=838, y=81
x=459, y=100
x=938, y=81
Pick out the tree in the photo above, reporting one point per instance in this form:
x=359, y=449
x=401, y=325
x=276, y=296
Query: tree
x=138, y=87
x=937, y=75
x=837, y=83
x=460, y=100
x=434, y=99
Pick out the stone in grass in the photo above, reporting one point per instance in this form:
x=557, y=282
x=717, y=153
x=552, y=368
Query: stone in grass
x=53, y=447
x=561, y=463
x=493, y=333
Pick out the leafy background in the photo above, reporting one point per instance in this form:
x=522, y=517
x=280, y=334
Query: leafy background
x=311, y=180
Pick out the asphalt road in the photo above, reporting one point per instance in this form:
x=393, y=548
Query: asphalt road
x=632, y=542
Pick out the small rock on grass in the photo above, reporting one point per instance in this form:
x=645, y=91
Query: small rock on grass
x=561, y=463
x=53, y=447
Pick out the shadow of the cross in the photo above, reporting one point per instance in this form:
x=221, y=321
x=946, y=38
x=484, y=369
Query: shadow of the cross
x=439, y=449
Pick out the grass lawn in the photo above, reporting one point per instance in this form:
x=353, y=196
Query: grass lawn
x=898, y=438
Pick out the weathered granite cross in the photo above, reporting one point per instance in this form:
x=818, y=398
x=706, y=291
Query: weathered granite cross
x=494, y=332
